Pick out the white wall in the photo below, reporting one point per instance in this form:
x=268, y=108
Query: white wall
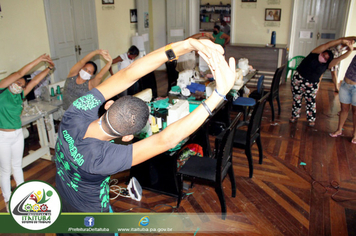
x=249, y=25
x=23, y=35
x=114, y=27
x=350, y=31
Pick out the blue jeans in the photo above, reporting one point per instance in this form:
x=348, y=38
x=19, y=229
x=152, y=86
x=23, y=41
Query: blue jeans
x=347, y=93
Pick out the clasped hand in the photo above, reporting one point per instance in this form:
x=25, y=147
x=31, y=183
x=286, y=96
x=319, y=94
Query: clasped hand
x=223, y=73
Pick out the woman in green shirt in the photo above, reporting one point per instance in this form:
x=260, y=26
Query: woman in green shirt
x=13, y=89
x=220, y=37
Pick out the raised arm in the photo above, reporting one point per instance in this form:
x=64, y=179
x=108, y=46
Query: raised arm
x=174, y=133
x=329, y=44
x=23, y=71
x=227, y=39
x=201, y=36
x=350, y=38
x=337, y=60
x=114, y=61
x=126, y=77
x=79, y=65
x=98, y=78
x=38, y=78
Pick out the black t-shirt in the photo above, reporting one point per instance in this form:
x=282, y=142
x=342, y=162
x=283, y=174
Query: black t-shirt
x=84, y=166
x=311, y=69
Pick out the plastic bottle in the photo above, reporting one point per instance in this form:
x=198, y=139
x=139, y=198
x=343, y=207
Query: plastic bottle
x=59, y=95
x=52, y=92
x=58, y=89
x=273, y=38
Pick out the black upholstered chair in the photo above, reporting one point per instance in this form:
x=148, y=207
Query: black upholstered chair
x=244, y=104
x=149, y=81
x=244, y=139
x=274, y=91
x=213, y=169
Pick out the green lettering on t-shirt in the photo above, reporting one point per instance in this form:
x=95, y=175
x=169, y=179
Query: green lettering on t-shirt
x=78, y=158
x=87, y=102
x=104, y=193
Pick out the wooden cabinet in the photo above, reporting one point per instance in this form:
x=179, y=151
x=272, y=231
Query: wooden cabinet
x=264, y=59
x=211, y=15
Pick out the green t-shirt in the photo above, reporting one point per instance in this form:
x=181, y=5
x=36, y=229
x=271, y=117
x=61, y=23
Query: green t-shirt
x=10, y=109
x=218, y=38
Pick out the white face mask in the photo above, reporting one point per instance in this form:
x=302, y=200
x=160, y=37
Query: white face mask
x=15, y=88
x=84, y=75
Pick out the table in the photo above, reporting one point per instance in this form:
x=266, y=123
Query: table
x=249, y=76
x=158, y=174
x=47, y=138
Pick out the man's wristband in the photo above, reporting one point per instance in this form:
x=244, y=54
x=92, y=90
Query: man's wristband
x=223, y=96
x=207, y=108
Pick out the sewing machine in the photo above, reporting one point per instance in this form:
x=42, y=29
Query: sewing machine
x=178, y=111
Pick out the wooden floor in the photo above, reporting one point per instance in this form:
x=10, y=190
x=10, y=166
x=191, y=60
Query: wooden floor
x=283, y=197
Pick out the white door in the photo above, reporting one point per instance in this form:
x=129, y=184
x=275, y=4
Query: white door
x=318, y=21
x=176, y=20
x=85, y=27
x=72, y=33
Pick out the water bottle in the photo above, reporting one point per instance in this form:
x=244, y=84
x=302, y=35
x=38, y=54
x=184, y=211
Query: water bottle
x=58, y=89
x=273, y=38
x=52, y=92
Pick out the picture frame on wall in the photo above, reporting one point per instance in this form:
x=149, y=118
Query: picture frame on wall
x=133, y=16
x=104, y=2
x=273, y=14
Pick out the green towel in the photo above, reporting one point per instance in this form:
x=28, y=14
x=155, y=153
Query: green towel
x=161, y=104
